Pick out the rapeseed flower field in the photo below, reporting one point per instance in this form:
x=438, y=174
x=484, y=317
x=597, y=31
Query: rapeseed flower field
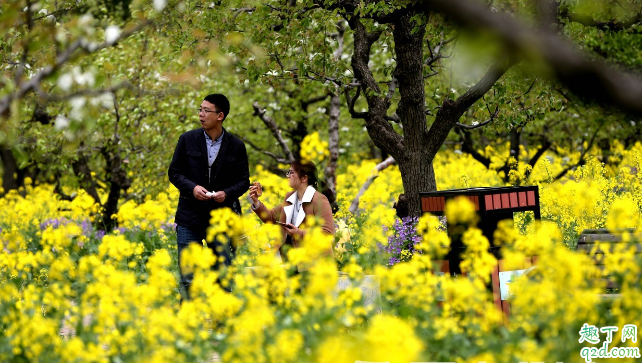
x=71, y=293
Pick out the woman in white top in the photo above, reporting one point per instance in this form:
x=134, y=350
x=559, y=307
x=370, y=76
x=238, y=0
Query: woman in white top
x=302, y=202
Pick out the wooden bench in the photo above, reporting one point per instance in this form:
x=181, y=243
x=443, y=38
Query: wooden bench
x=608, y=242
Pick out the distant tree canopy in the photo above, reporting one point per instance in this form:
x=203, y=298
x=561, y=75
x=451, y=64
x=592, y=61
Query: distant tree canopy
x=95, y=94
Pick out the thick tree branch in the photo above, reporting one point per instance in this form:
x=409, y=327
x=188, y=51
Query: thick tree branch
x=451, y=111
x=586, y=77
x=362, y=44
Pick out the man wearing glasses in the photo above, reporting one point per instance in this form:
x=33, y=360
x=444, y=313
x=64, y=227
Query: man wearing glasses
x=210, y=169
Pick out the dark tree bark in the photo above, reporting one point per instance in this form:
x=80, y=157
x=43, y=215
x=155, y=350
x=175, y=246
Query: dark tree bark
x=118, y=182
x=83, y=173
x=415, y=151
x=13, y=177
x=333, y=143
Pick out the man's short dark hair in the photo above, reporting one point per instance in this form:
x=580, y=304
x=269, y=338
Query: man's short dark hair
x=220, y=102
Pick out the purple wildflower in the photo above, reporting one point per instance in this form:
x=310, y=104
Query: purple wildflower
x=403, y=238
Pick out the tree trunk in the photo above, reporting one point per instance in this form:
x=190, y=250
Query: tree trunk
x=415, y=165
x=83, y=173
x=10, y=174
x=118, y=182
x=333, y=143
x=418, y=175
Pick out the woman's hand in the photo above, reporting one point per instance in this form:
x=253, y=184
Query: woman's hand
x=255, y=192
x=291, y=230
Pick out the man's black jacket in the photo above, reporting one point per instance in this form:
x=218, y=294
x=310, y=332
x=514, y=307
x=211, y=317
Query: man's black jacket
x=189, y=168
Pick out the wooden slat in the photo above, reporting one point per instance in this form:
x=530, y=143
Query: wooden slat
x=489, y=202
x=505, y=201
x=530, y=197
x=522, y=199
x=513, y=200
x=497, y=201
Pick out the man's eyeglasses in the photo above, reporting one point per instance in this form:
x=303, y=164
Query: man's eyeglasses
x=290, y=172
x=207, y=111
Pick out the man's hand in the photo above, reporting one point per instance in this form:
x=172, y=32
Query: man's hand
x=200, y=193
x=219, y=197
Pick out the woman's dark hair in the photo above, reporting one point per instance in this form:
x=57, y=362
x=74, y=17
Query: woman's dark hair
x=307, y=168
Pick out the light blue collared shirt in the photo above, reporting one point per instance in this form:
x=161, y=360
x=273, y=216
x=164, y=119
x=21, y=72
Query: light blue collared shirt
x=213, y=147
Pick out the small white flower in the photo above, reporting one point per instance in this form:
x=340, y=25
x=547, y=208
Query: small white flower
x=159, y=5
x=61, y=122
x=458, y=152
x=65, y=81
x=111, y=34
x=61, y=37
x=321, y=109
x=345, y=128
x=107, y=99
x=78, y=102
x=85, y=20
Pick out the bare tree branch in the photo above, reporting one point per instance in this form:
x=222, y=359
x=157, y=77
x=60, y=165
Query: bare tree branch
x=482, y=124
x=306, y=103
x=468, y=147
x=381, y=166
x=264, y=152
x=80, y=44
x=582, y=159
x=274, y=129
x=351, y=101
